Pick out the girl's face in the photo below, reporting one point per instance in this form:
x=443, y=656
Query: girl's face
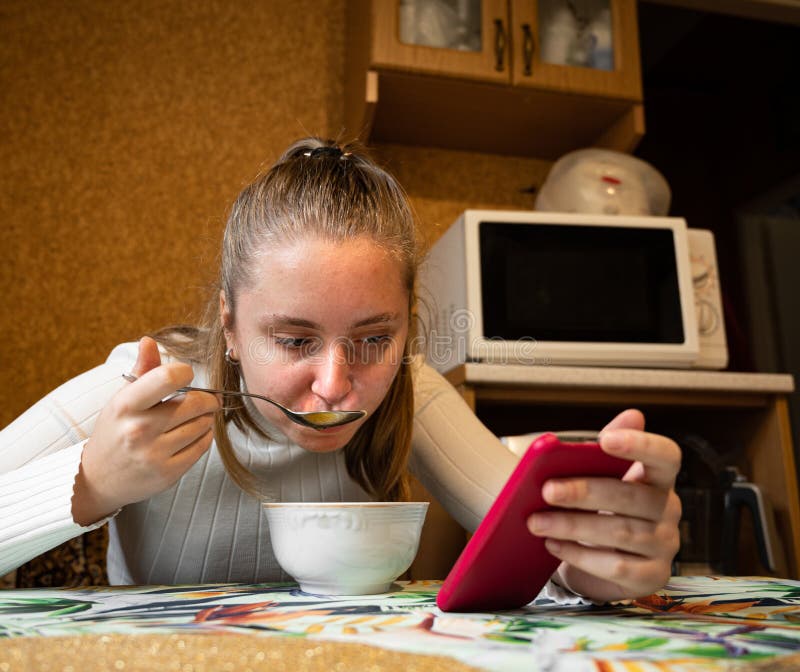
x=323, y=327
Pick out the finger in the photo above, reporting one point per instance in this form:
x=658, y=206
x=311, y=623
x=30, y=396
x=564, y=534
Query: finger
x=177, y=439
x=625, y=575
x=153, y=386
x=624, y=533
x=184, y=408
x=659, y=456
x=147, y=358
x=188, y=455
x=630, y=418
x=638, y=500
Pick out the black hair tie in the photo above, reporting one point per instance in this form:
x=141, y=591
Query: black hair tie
x=327, y=150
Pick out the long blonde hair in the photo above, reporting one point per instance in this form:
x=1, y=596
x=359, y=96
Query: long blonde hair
x=315, y=189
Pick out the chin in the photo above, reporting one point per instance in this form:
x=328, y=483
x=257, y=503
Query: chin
x=324, y=441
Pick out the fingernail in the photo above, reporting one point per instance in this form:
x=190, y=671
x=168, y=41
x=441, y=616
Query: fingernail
x=553, y=493
x=553, y=545
x=538, y=524
x=615, y=438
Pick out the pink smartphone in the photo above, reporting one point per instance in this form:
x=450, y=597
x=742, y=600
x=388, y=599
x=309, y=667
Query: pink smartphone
x=504, y=566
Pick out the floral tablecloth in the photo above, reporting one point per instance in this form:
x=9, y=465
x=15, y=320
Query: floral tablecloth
x=695, y=623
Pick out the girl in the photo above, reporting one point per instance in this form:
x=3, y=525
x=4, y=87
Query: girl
x=316, y=310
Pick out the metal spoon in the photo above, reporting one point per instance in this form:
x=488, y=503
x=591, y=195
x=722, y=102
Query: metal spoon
x=313, y=419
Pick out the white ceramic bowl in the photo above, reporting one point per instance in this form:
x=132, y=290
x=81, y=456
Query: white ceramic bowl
x=345, y=548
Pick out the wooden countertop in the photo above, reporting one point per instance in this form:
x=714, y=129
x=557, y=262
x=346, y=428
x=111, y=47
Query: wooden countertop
x=619, y=378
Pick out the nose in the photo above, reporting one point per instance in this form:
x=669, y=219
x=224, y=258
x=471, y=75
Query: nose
x=333, y=375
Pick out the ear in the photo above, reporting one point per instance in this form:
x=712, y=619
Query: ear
x=225, y=317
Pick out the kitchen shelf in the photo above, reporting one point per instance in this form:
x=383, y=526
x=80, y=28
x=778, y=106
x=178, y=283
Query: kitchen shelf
x=451, y=113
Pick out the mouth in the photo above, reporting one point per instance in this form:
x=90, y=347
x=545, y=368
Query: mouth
x=329, y=430
x=341, y=427
x=324, y=419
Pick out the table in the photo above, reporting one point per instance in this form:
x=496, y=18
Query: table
x=695, y=623
x=743, y=413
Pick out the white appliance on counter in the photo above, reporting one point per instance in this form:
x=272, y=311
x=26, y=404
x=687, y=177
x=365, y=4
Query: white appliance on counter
x=525, y=287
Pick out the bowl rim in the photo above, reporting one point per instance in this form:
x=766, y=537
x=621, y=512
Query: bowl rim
x=370, y=505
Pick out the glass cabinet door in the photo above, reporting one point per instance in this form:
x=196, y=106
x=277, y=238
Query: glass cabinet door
x=580, y=46
x=576, y=32
x=464, y=38
x=444, y=24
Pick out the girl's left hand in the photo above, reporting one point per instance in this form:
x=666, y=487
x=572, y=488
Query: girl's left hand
x=628, y=554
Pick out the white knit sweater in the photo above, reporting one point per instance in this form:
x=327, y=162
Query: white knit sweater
x=205, y=529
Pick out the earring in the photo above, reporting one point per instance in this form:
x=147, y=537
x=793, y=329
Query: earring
x=229, y=357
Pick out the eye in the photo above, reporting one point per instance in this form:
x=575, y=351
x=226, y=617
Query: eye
x=292, y=342
x=376, y=340
x=302, y=345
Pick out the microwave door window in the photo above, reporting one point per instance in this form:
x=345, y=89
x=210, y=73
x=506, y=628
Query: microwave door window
x=577, y=283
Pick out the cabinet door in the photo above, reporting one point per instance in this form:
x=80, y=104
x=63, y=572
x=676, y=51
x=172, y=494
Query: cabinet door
x=577, y=46
x=458, y=38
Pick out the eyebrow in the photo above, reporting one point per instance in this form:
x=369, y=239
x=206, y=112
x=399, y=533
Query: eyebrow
x=280, y=320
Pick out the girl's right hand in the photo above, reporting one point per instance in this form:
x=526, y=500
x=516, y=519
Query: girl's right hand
x=140, y=445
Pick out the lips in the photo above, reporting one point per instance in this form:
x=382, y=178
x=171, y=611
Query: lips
x=337, y=428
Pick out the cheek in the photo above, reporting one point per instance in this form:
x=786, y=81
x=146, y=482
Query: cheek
x=274, y=378
x=379, y=377
x=263, y=369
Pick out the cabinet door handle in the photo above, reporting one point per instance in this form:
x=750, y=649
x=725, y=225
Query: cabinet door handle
x=527, y=49
x=499, y=44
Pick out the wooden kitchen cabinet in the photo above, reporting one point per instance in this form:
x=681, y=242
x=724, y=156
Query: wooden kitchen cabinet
x=391, y=49
x=501, y=84
x=531, y=67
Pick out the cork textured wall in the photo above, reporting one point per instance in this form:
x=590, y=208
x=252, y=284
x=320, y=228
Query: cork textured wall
x=127, y=130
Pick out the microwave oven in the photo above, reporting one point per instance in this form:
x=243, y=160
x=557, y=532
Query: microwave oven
x=519, y=287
